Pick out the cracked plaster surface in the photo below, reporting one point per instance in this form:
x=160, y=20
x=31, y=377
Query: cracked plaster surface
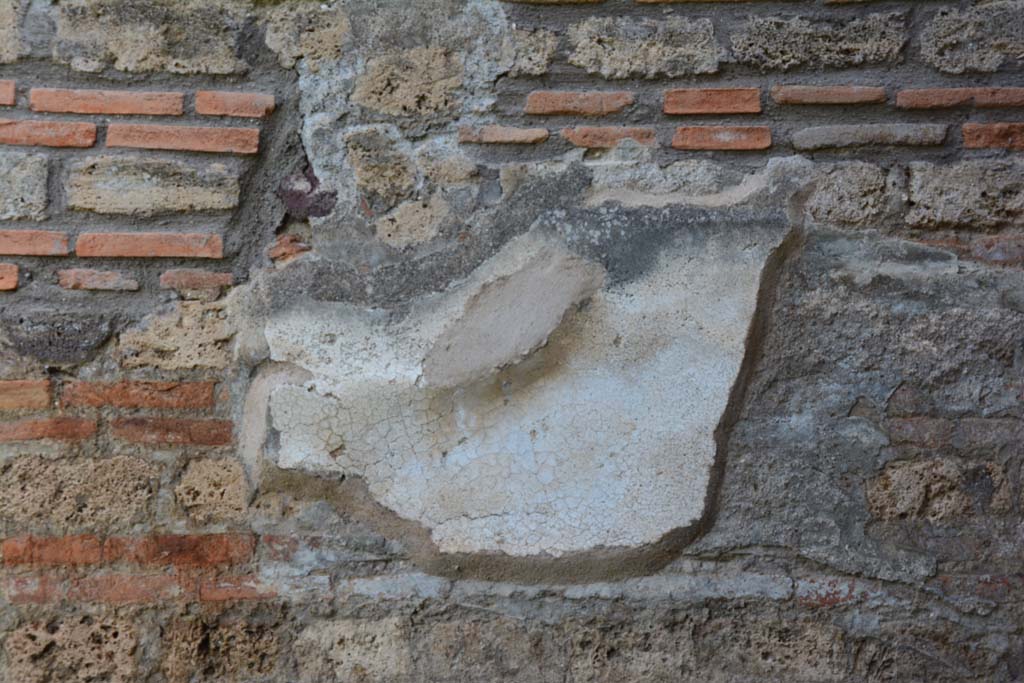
x=534, y=409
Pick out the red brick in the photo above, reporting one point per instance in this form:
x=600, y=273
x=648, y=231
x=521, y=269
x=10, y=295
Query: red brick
x=193, y=551
x=191, y=278
x=244, y=104
x=165, y=395
x=122, y=589
x=104, y=280
x=577, y=103
x=32, y=590
x=8, y=277
x=502, y=135
x=58, y=551
x=106, y=102
x=287, y=246
x=24, y=394
x=937, y=98
x=608, y=136
x=921, y=431
x=57, y=428
x=174, y=432
x=149, y=245
x=7, y=93
x=229, y=588
x=184, y=138
x=33, y=243
x=723, y=137
x=713, y=101
x=994, y=135
x=47, y=133
x=828, y=94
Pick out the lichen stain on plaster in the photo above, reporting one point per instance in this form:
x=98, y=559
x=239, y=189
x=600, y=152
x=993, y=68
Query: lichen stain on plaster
x=532, y=409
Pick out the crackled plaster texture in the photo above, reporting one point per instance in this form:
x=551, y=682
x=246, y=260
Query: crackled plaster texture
x=531, y=409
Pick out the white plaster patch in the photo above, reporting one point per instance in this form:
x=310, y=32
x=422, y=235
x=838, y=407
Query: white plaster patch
x=602, y=437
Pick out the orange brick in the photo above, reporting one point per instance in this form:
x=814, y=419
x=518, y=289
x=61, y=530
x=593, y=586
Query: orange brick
x=149, y=245
x=713, y=101
x=184, y=138
x=24, y=394
x=722, y=137
x=8, y=277
x=33, y=243
x=56, y=428
x=287, y=246
x=47, y=133
x=121, y=589
x=165, y=395
x=193, y=551
x=103, y=280
x=608, y=136
x=228, y=588
x=7, y=93
x=106, y=102
x=577, y=103
x=502, y=135
x=828, y=94
x=173, y=432
x=243, y=104
x=994, y=135
x=190, y=279
x=56, y=551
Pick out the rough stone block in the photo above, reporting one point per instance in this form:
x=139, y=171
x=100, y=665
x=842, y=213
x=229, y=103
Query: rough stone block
x=968, y=194
x=865, y=134
x=644, y=48
x=365, y=650
x=782, y=44
x=982, y=37
x=76, y=494
x=144, y=187
x=420, y=82
x=11, y=45
x=207, y=650
x=851, y=194
x=22, y=186
x=95, y=34
x=213, y=491
x=76, y=649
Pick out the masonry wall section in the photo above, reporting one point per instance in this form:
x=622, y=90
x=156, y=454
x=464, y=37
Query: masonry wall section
x=183, y=180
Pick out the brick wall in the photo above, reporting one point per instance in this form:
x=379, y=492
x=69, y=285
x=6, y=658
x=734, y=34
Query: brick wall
x=172, y=174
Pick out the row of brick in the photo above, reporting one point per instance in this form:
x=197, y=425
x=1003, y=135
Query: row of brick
x=79, y=134
x=140, y=430
x=111, y=244
x=127, y=102
x=180, y=279
x=38, y=394
x=696, y=101
x=726, y=138
x=165, y=550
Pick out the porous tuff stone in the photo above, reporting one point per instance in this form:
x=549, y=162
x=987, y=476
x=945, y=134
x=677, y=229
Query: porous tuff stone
x=143, y=187
x=979, y=38
x=213, y=491
x=624, y=48
x=967, y=194
x=22, y=186
x=79, y=649
x=782, y=44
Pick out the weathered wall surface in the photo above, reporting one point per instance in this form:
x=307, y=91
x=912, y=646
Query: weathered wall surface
x=579, y=340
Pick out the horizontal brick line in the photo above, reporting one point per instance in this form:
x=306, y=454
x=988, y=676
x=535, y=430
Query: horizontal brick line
x=937, y=98
x=722, y=138
x=55, y=428
x=138, y=394
x=8, y=277
x=595, y=103
x=149, y=245
x=96, y=280
x=184, y=138
x=32, y=132
x=173, y=432
x=713, y=101
x=34, y=243
x=56, y=100
x=502, y=135
x=828, y=94
x=238, y=104
x=24, y=394
x=7, y=93
x=601, y=137
x=994, y=136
